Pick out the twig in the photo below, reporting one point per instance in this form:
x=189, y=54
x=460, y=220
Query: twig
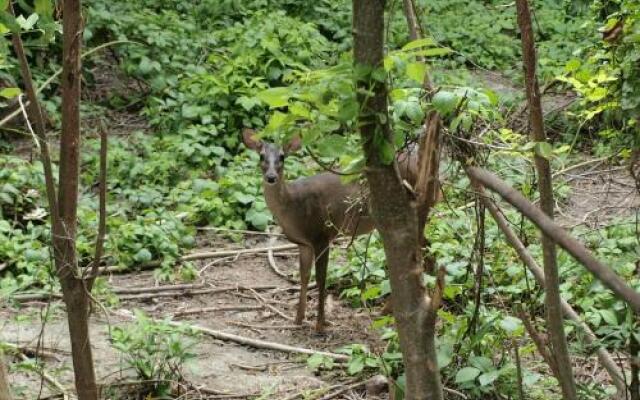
x=540, y=342
x=265, y=327
x=203, y=310
x=269, y=306
x=212, y=228
x=343, y=390
x=102, y=218
x=193, y=292
x=274, y=267
x=223, y=253
x=156, y=289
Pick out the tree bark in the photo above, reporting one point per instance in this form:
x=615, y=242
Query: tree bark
x=74, y=289
x=559, y=348
x=394, y=211
x=5, y=391
x=603, y=273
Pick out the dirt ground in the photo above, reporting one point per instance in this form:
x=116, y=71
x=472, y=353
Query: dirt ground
x=224, y=367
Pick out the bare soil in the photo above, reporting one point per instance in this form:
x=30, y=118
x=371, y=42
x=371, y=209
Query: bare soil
x=225, y=367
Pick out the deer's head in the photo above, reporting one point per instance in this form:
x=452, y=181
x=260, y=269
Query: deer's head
x=271, y=155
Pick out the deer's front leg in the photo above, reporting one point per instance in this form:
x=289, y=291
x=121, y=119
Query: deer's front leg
x=306, y=262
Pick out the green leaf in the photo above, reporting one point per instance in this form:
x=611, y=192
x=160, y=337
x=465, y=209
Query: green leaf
x=416, y=71
x=244, y=198
x=435, y=52
x=445, y=102
x=143, y=255
x=544, y=150
x=510, y=324
x=275, y=97
x=356, y=365
x=387, y=152
x=29, y=23
x=418, y=43
x=488, y=378
x=9, y=93
x=467, y=374
x=609, y=317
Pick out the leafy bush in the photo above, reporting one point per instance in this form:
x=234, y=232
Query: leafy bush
x=156, y=351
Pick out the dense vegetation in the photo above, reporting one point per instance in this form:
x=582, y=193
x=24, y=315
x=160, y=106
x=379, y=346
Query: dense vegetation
x=180, y=80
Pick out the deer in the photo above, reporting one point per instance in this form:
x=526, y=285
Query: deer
x=314, y=210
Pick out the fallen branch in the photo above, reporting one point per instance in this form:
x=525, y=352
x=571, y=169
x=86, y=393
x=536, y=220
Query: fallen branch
x=203, y=310
x=528, y=260
x=265, y=303
x=224, y=253
x=156, y=289
x=603, y=273
x=256, y=343
x=265, y=327
x=193, y=292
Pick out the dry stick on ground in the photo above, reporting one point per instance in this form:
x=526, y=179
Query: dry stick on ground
x=156, y=289
x=256, y=343
x=265, y=327
x=269, y=306
x=603, y=355
x=203, y=310
x=603, y=273
x=559, y=348
x=143, y=296
x=147, y=294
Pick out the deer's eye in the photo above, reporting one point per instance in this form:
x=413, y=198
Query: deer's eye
x=281, y=157
x=261, y=157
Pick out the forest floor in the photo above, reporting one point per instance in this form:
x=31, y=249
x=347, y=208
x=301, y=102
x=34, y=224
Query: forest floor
x=224, y=367
x=238, y=371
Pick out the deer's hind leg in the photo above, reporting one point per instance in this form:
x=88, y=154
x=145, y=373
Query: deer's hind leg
x=322, y=262
x=306, y=263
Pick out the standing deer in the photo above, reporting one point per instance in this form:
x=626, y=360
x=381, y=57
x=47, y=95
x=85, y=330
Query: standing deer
x=312, y=211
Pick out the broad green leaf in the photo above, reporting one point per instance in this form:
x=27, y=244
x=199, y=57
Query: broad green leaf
x=482, y=363
x=244, y=198
x=355, y=366
x=9, y=93
x=276, y=121
x=435, y=52
x=609, y=317
x=143, y=255
x=488, y=378
x=386, y=152
x=544, y=150
x=418, y=43
x=416, y=71
x=29, y=23
x=467, y=374
x=510, y=324
x=275, y=97
x=44, y=8
x=445, y=102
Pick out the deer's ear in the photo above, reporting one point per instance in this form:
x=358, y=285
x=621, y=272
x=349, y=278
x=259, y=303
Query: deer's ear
x=249, y=141
x=294, y=145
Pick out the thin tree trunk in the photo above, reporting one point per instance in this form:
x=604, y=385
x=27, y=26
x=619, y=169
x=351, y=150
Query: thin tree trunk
x=74, y=288
x=559, y=348
x=394, y=212
x=5, y=391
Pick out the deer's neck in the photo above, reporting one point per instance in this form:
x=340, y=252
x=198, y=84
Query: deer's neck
x=278, y=198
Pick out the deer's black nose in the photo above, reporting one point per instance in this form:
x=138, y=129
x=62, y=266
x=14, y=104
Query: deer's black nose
x=271, y=178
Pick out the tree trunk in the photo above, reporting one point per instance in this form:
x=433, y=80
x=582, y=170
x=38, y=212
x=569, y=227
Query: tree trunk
x=559, y=349
x=394, y=212
x=74, y=288
x=5, y=392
